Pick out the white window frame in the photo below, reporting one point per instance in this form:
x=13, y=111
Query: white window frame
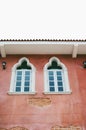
x=65, y=77
x=55, y=79
x=23, y=80
x=14, y=69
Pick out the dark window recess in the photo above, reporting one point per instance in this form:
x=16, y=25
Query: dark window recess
x=18, y=77
x=23, y=66
x=60, y=84
x=54, y=65
x=59, y=78
x=51, y=83
x=60, y=89
x=27, y=84
x=58, y=73
x=18, y=83
x=26, y=89
x=27, y=73
x=52, y=89
x=27, y=77
x=18, y=89
x=51, y=73
x=51, y=78
x=19, y=73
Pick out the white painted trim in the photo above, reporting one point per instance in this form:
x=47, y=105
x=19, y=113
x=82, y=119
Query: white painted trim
x=19, y=93
x=75, y=50
x=68, y=92
x=58, y=62
x=12, y=87
x=42, y=42
x=42, y=47
x=65, y=74
x=3, y=53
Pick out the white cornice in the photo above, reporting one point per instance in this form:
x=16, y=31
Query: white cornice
x=42, y=47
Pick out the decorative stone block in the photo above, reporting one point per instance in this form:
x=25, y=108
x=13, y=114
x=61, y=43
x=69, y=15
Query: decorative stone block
x=15, y=128
x=39, y=101
x=18, y=128
x=65, y=128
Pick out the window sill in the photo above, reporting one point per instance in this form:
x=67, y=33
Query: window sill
x=21, y=93
x=62, y=93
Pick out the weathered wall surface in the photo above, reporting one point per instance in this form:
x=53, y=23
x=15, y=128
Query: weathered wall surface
x=40, y=111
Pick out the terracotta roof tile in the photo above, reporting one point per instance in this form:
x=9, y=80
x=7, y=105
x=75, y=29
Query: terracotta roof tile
x=58, y=40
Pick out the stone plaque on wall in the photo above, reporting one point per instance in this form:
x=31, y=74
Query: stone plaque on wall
x=39, y=101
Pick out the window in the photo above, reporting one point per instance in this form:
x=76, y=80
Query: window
x=23, y=78
x=56, y=77
x=55, y=80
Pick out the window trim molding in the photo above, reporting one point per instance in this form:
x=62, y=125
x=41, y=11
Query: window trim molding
x=11, y=91
x=65, y=72
x=59, y=93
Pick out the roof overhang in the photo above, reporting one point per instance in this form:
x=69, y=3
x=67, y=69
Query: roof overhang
x=42, y=47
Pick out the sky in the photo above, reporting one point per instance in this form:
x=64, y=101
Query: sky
x=42, y=19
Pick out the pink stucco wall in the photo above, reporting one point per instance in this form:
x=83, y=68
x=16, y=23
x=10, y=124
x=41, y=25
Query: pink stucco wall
x=64, y=110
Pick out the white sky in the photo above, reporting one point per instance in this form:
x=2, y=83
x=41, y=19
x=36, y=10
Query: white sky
x=42, y=19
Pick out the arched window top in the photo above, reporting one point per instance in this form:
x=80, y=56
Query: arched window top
x=23, y=78
x=56, y=77
x=54, y=63
x=23, y=63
